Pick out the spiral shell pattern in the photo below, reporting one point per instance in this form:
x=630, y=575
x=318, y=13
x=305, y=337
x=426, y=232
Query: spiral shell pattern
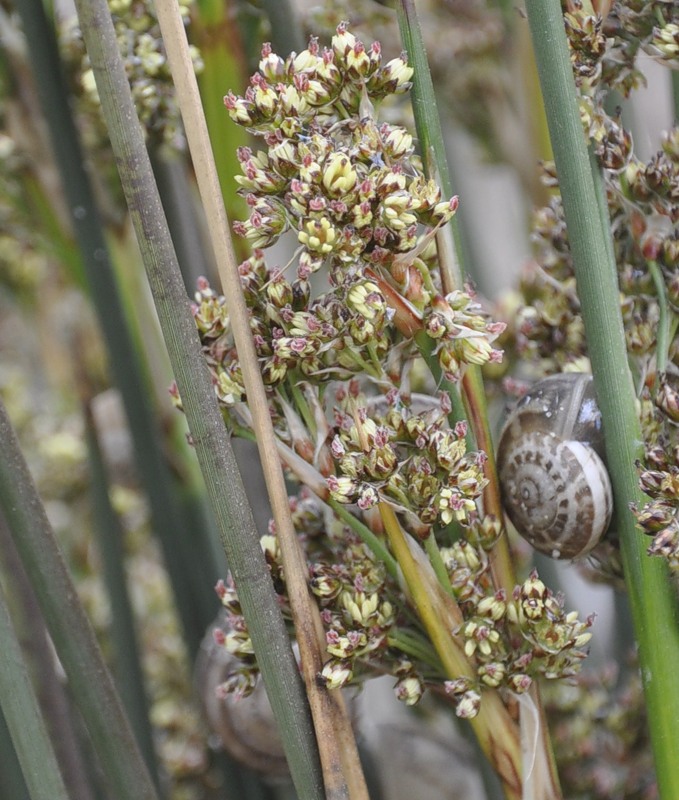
x=555, y=486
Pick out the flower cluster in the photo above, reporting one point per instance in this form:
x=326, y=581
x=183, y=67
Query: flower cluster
x=643, y=203
x=350, y=587
x=350, y=189
x=507, y=641
x=342, y=369
x=141, y=45
x=644, y=208
x=415, y=461
x=354, y=193
x=605, y=49
x=659, y=475
x=332, y=336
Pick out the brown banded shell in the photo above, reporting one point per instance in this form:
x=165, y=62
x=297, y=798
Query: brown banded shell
x=554, y=483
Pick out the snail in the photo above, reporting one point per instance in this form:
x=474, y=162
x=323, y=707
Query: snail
x=554, y=482
x=244, y=726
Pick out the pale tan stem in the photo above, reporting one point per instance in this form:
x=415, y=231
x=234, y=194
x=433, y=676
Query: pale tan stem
x=341, y=768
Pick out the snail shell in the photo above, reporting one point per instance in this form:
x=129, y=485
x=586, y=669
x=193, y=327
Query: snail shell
x=245, y=727
x=554, y=483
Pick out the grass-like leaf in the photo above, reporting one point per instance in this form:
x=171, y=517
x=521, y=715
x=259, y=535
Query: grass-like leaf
x=651, y=595
x=213, y=448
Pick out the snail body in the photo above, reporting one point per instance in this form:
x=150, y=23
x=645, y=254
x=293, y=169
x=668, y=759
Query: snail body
x=554, y=482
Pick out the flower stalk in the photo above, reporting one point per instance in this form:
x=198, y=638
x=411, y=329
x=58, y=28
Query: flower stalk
x=473, y=405
x=210, y=438
x=343, y=776
x=651, y=595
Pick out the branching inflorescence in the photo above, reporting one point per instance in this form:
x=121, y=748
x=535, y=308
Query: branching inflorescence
x=643, y=204
x=359, y=421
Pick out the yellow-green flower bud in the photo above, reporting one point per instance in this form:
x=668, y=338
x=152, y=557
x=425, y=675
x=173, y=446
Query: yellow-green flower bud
x=339, y=176
x=318, y=235
x=409, y=690
x=336, y=674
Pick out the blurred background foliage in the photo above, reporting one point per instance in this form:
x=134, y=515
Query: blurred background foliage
x=125, y=499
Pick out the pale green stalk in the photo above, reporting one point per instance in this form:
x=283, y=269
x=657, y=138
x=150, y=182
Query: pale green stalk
x=210, y=438
x=21, y=710
x=93, y=690
x=652, y=597
x=469, y=404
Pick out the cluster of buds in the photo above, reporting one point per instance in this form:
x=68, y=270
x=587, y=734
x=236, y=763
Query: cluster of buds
x=336, y=335
x=141, y=46
x=659, y=479
x=414, y=461
x=507, y=641
x=643, y=204
x=350, y=189
x=510, y=641
x=647, y=26
x=606, y=39
x=352, y=591
x=463, y=332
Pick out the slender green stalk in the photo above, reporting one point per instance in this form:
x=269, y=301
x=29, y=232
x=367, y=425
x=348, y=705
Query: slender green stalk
x=210, y=438
x=56, y=708
x=93, y=690
x=431, y=548
x=22, y=713
x=342, y=774
x=663, y=333
x=12, y=783
x=652, y=597
x=543, y=779
x=428, y=126
x=471, y=404
x=127, y=656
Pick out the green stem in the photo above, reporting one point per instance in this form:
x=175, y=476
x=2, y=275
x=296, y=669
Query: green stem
x=663, y=333
x=301, y=404
x=127, y=656
x=431, y=548
x=469, y=404
x=428, y=126
x=22, y=713
x=652, y=597
x=124, y=769
x=57, y=710
x=415, y=646
x=224, y=484
x=192, y=601
x=286, y=30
